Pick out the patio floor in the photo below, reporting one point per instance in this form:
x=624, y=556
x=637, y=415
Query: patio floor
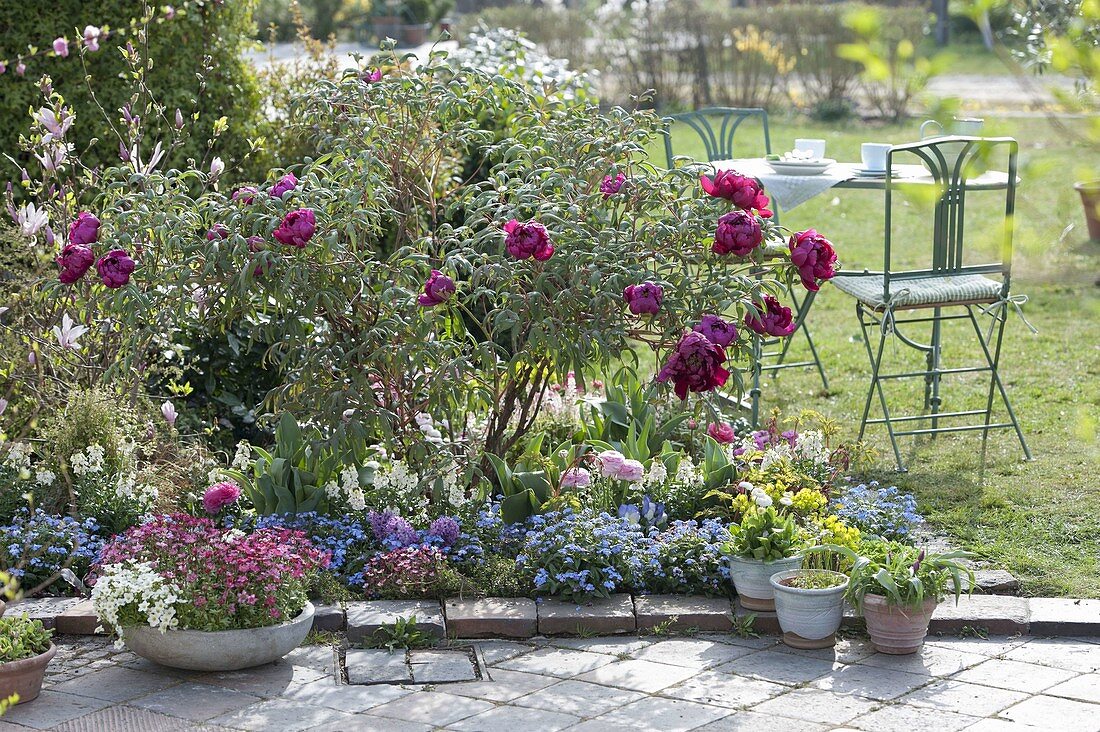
x=707, y=682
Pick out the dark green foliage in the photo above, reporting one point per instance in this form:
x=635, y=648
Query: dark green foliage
x=197, y=67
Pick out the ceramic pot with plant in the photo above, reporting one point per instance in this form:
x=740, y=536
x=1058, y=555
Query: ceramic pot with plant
x=810, y=606
x=897, y=587
x=1090, y=199
x=765, y=543
x=188, y=593
x=25, y=651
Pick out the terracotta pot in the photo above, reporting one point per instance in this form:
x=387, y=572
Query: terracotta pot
x=25, y=677
x=752, y=580
x=809, y=618
x=415, y=34
x=1090, y=197
x=895, y=629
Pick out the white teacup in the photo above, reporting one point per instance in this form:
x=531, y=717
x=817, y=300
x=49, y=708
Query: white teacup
x=873, y=155
x=966, y=126
x=817, y=147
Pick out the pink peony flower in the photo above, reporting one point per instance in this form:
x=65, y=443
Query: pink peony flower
x=287, y=183
x=576, y=478
x=84, y=229
x=632, y=471
x=644, y=299
x=438, y=289
x=610, y=186
x=722, y=432
x=738, y=233
x=75, y=259
x=247, y=194
x=717, y=330
x=371, y=76
x=296, y=228
x=742, y=191
x=528, y=240
x=814, y=256
x=61, y=47
x=776, y=320
x=610, y=462
x=220, y=495
x=115, y=268
x=695, y=365
x=218, y=232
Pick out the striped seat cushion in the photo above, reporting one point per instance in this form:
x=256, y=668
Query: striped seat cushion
x=933, y=290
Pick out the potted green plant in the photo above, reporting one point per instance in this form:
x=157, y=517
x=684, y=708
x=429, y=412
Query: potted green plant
x=421, y=16
x=765, y=543
x=897, y=587
x=25, y=651
x=809, y=602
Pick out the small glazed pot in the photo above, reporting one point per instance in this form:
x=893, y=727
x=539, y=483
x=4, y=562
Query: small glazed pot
x=752, y=580
x=219, y=650
x=1090, y=199
x=809, y=618
x=895, y=629
x=24, y=677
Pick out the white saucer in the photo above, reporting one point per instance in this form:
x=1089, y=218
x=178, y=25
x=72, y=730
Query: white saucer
x=800, y=167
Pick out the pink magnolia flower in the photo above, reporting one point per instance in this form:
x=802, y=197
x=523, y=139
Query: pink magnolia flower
x=74, y=260
x=287, y=183
x=115, y=268
x=296, y=228
x=644, y=299
x=91, y=37
x=20, y=68
x=525, y=240
x=717, y=330
x=61, y=47
x=220, y=495
x=168, y=411
x=695, y=365
x=3, y=67
x=84, y=229
x=722, y=432
x=576, y=478
x=610, y=186
x=814, y=256
x=738, y=233
x=776, y=320
x=438, y=289
x=742, y=191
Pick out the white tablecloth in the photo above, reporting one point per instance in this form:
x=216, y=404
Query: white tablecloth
x=788, y=191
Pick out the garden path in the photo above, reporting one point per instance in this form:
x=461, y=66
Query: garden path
x=709, y=682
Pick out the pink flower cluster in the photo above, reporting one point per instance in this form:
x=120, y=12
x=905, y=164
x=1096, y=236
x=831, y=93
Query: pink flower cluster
x=227, y=578
x=405, y=572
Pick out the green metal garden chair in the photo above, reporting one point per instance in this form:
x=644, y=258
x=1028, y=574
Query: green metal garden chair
x=948, y=287
x=717, y=127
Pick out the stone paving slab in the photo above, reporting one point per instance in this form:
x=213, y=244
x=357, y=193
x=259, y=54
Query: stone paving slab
x=330, y=618
x=600, y=617
x=491, y=617
x=45, y=609
x=365, y=618
x=684, y=612
x=78, y=619
x=377, y=666
x=995, y=614
x=1062, y=616
x=443, y=666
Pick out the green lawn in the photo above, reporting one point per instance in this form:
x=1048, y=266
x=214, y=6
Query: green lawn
x=1040, y=519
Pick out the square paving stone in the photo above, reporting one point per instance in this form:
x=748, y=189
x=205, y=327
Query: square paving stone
x=1061, y=653
x=502, y=685
x=605, y=616
x=997, y=614
x=958, y=696
x=284, y=715
x=443, y=666
x=365, y=618
x=782, y=668
x=931, y=660
x=696, y=653
x=321, y=658
x=904, y=718
x=816, y=705
x=44, y=609
x=645, y=676
x=1085, y=687
x=579, y=698
x=660, y=714
x=436, y=708
x=270, y=680
x=753, y=722
x=873, y=683
x=1067, y=714
x=51, y=708
x=116, y=684
x=683, y=612
x=611, y=645
x=1014, y=675
x=491, y=617
x=196, y=702
x=1064, y=616
x=556, y=662
x=346, y=698
x=510, y=719
x=123, y=719
x=496, y=651
x=330, y=618
x=78, y=619
x=370, y=723
x=377, y=666
x=724, y=690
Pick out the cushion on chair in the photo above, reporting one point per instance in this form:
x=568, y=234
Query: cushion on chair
x=932, y=290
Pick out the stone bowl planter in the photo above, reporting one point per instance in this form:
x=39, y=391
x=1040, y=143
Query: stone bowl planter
x=752, y=580
x=809, y=618
x=220, y=650
x=895, y=629
x=24, y=677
